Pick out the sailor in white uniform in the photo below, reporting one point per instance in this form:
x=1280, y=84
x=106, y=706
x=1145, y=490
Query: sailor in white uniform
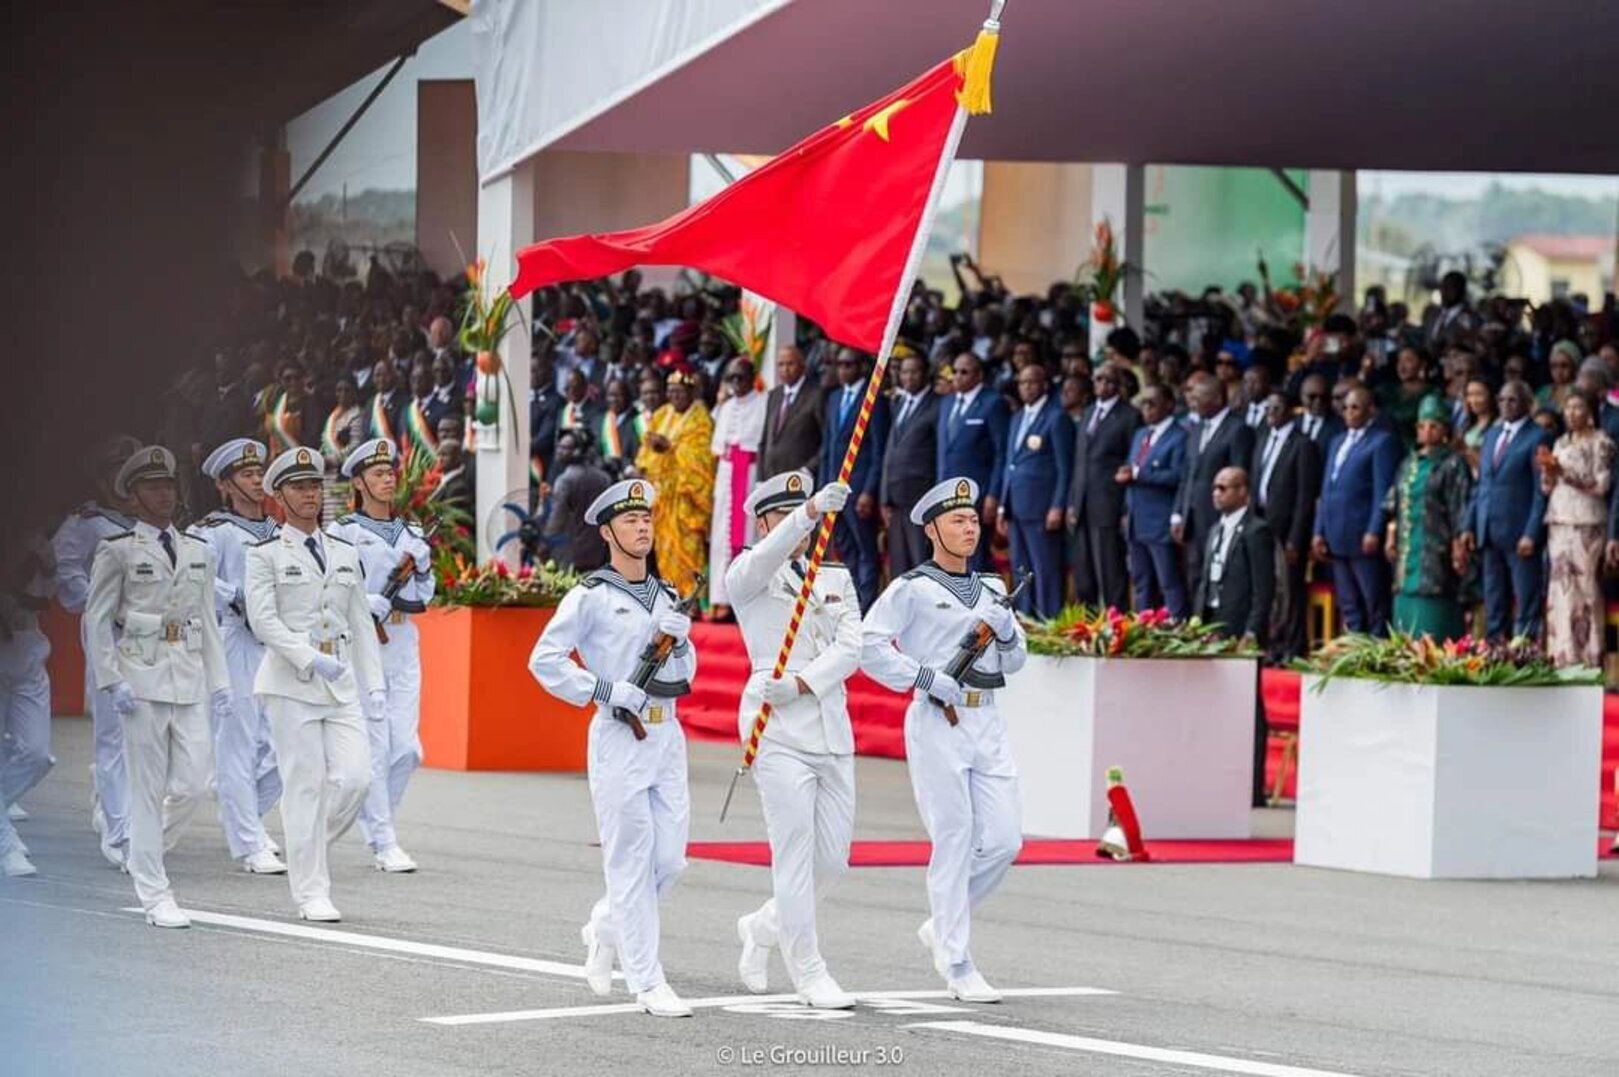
x=245, y=773
x=25, y=692
x=74, y=547
x=805, y=766
x=963, y=776
x=638, y=787
x=162, y=673
x=388, y=545
x=306, y=603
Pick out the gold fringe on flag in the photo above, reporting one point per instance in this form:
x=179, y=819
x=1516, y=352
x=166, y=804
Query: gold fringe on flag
x=976, y=64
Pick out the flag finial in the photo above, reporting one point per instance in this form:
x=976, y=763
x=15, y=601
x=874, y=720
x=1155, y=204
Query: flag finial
x=977, y=63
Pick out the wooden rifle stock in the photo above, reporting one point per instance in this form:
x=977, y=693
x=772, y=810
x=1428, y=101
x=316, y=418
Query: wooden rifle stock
x=973, y=646
x=398, y=578
x=653, y=655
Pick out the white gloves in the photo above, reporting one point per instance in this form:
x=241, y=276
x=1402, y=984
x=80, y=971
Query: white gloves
x=674, y=624
x=626, y=695
x=945, y=690
x=123, y=699
x=780, y=691
x=380, y=607
x=423, y=553
x=376, y=703
x=221, y=702
x=329, y=668
x=831, y=498
x=1002, y=621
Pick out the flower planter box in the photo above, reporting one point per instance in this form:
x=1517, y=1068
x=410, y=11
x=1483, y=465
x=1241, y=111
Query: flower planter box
x=1182, y=729
x=1449, y=782
x=481, y=710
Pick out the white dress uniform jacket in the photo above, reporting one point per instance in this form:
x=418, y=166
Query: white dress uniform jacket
x=25, y=686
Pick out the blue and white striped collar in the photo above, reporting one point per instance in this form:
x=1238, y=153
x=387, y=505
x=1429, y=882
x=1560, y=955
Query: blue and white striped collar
x=387, y=530
x=966, y=589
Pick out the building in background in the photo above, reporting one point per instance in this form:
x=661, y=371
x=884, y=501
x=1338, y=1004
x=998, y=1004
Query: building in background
x=1542, y=267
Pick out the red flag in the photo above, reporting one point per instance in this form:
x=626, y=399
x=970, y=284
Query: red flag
x=826, y=228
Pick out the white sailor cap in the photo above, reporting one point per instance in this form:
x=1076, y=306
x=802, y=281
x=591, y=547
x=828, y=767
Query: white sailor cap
x=299, y=463
x=147, y=462
x=948, y=496
x=375, y=451
x=235, y=453
x=631, y=495
x=781, y=492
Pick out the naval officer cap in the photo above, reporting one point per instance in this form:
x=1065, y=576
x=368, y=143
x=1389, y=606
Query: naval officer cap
x=375, y=451
x=146, y=462
x=631, y=495
x=292, y=465
x=779, y=493
x=948, y=496
x=235, y=453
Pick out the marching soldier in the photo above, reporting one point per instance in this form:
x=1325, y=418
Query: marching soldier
x=244, y=763
x=74, y=547
x=389, y=549
x=638, y=787
x=306, y=603
x=805, y=766
x=25, y=693
x=963, y=774
x=162, y=672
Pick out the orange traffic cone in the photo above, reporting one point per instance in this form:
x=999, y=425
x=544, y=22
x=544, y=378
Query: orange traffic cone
x=1121, y=840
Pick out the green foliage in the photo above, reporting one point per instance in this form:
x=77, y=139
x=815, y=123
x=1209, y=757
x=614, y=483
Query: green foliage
x=1111, y=633
x=1404, y=659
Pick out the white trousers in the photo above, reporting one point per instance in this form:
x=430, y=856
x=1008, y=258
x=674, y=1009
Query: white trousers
x=167, y=755
x=325, y=769
x=245, y=772
x=25, y=713
x=808, y=801
x=396, y=746
x=111, y=775
x=965, y=783
x=643, y=814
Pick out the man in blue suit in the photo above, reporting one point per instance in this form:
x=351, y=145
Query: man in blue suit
x=1361, y=463
x=972, y=440
x=1150, y=478
x=855, y=532
x=1034, y=491
x=1506, y=519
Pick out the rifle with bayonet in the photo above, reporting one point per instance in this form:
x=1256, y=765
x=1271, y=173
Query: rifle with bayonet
x=653, y=655
x=402, y=574
x=972, y=648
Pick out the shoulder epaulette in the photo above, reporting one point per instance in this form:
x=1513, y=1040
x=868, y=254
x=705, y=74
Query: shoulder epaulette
x=120, y=535
x=914, y=574
x=345, y=520
x=210, y=521
x=591, y=580
x=834, y=564
x=265, y=542
x=338, y=538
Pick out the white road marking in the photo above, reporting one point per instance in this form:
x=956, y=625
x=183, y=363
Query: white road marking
x=1128, y=1050
x=727, y=1001
x=339, y=937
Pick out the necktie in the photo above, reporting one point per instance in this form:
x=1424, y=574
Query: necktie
x=314, y=551
x=1146, y=449
x=1501, y=441
x=168, y=547
x=1343, y=453
x=847, y=405
x=1272, y=443
x=1023, y=426
x=905, y=411
x=781, y=409
x=956, y=416
x=1204, y=435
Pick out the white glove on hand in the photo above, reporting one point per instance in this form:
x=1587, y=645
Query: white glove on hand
x=329, y=668
x=222, y=703
x=626, y=695
x=376, y=704
x=945, y=690
x=122, y=697
x=423, y=553
x=779, y=692
x=1002, y=621
x=380, y=607
x=674, y=624
x=831, y=498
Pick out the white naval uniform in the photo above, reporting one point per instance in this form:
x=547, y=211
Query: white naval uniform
x=25, y=686
x=298, y=611
x=171, y=657
x=244, y=760
x=805, y=766
x=396, y=746
x=74, y=546
x=638, y=788
x=963, y=776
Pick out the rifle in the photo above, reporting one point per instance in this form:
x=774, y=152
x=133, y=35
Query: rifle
x=401, y=575
x=974, y=644
x=652, y=658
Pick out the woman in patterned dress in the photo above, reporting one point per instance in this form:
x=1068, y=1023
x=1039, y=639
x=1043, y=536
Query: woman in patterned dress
x=1425, y=507
x=1576, y=476
x=676, y=459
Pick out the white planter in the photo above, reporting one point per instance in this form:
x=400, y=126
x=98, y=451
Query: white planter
x=1182, y=729
x=1458, y=783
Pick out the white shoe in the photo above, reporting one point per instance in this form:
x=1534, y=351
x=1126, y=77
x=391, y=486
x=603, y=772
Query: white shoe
x=662, y=1001
x=16, y=865
x=598, y=962
x=167, y=914
x=394, y=860
x=263, y=862
x=98, y=820
x=270, y=844
x=925, y=933
x=973, y=988
x=823, y=993
x=754, y=965
x=320, y=911
x=18, y=813
x=117, y=855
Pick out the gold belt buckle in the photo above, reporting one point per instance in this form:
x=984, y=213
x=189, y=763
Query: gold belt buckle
x=326, y=646
x=654, y=714
x=171, y=633
x=975, y=698
x=396, y=617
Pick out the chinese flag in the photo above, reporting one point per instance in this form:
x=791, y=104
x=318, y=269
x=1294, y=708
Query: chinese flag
x=827, y=228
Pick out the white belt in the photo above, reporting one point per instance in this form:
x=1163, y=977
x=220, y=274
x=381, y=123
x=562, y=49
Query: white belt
x=972, y=697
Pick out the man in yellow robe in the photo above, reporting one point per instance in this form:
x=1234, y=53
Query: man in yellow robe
x=677, y=459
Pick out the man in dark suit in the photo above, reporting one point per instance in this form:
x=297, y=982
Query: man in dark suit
x=1096, y=501
x=908, y=463
x=1318, y=422
x=793, y=420
x=1150, y=479
x=544, y=403
x=1034, y=491
x=1286, y=474
x=1219, y=440
x=855, y=532
x=394, y=399
x=1360, y=464
x=1236, y=591
x=1505, y=522
x=972, y=440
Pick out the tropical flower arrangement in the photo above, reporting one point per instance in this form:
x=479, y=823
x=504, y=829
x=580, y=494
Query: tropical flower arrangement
x=1309, y=304
x=748, y=330
x=1406, y=659
x=484, y=324
x=1102, y=274
x=450, y=525
x=496, y=583
x=1081, y=631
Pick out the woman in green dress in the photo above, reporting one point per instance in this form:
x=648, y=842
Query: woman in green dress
x=1425, y=508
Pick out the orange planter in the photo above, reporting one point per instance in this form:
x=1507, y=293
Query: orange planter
x=481, y=709
x=66, y=663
